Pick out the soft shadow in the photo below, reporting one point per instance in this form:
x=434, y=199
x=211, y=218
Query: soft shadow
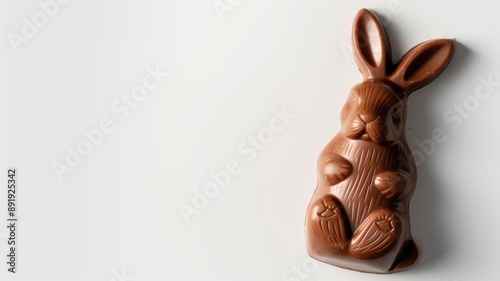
x=426, y=204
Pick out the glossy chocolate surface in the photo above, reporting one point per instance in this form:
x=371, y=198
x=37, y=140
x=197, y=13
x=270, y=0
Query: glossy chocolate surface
x=358, y=217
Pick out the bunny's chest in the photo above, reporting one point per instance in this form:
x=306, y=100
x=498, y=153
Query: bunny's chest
x=366, y=164
x=357, y=192
x=367, y=159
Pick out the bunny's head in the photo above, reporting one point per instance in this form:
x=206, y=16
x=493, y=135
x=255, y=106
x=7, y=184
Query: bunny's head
x=376, y=109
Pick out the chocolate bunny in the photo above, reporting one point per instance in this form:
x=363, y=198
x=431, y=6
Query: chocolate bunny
x=358, y=217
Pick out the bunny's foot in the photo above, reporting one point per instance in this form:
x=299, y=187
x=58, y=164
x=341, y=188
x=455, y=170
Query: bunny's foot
x=376, y=235
x=327, y=223
x=334, y=168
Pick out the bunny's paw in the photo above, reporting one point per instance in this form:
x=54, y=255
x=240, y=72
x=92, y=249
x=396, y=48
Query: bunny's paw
x=391, y=184
x=334, y=168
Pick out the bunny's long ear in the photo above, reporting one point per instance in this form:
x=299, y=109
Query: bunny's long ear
x=371, y=47
x=422, y=64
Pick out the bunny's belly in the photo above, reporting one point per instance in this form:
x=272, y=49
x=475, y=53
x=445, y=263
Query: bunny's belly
x=357, y=193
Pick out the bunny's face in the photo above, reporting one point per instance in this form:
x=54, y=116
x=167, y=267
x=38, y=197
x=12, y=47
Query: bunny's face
x=375, y=111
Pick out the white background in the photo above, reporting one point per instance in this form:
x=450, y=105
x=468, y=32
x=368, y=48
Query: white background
x=116, y=215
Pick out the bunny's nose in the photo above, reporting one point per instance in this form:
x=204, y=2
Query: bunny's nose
x=367, y=118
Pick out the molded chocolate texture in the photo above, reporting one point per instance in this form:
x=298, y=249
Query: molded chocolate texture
x=358, y=217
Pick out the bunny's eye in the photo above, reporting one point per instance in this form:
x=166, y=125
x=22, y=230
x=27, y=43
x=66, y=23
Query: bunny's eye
x=396, y=112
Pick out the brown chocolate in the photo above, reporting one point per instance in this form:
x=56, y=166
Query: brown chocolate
x=358, y=217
